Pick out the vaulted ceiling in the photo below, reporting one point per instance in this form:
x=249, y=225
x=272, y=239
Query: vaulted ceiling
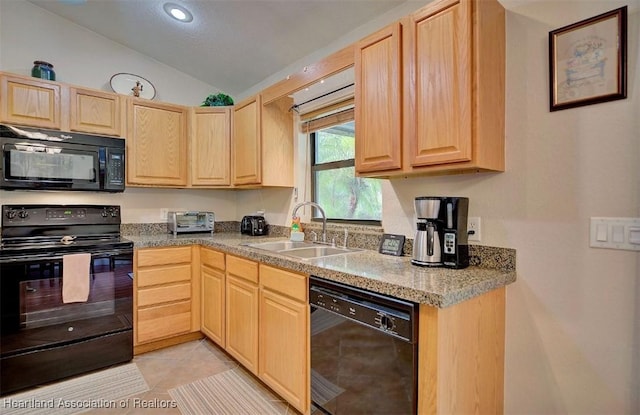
x=230, y=44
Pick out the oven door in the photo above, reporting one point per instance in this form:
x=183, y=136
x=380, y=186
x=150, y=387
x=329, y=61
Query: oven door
x=34, y=315
x=40, y=164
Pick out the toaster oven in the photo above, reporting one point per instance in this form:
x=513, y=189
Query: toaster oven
x=191, y=221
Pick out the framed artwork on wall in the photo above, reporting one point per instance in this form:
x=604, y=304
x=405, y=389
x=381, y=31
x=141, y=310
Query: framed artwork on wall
x=588, y=61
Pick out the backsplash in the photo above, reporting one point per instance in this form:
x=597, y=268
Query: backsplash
x=137, y=229
x=365, y=237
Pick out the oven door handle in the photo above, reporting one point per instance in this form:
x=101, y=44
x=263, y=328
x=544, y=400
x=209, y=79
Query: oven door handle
x=94, y=254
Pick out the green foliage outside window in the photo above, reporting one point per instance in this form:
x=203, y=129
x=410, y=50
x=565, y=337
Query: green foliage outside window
x=336, y=189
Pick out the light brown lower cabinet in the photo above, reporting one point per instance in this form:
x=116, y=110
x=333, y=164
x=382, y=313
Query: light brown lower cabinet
x=165, y=297
x=260, y=315
x=212, y=272
x=461, y=356
x=284, y=335
x=241, y=306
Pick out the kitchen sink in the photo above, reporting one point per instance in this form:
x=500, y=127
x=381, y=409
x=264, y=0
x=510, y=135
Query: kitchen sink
x=303, y=250
x=318, y=251
x=280, y=245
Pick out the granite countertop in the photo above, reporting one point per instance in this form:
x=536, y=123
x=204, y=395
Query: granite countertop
x=386, y=274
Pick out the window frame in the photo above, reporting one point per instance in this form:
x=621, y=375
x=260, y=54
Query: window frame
x=331, y=165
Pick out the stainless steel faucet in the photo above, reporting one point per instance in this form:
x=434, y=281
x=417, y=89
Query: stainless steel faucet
x=324, y=217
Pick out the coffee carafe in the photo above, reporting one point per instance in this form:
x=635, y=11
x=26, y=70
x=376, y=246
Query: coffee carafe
x=427, y=248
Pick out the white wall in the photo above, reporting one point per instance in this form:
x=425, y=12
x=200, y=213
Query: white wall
x=356, y=34
x=82, y=57
x=573, y=326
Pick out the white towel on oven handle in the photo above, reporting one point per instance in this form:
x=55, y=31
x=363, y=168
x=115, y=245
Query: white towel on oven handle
x=75, y=277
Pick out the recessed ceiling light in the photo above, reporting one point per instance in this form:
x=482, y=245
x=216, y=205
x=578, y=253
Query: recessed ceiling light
x=178, y=12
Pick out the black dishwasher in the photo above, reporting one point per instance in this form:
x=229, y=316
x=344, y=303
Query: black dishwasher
x=364, y=351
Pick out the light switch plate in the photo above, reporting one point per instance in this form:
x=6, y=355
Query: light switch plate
x=615, y=233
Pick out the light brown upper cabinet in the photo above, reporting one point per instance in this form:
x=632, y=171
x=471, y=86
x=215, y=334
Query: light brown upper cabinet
x=452, y=92
x=40, y=103
x=210, y=146
x=95, y=112
x=378, y=101
x=262, y=145
x=247, y=166
x=30, y=102
x=156, y=144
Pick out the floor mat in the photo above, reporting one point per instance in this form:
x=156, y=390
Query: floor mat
x=227, y=393
x=104, y=389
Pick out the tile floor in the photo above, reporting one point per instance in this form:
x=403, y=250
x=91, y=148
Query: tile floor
x=179, y=365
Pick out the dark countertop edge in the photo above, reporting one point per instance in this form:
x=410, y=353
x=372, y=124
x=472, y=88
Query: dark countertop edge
x=501, y=279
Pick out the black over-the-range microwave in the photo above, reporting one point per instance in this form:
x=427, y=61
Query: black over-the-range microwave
x=37, y=159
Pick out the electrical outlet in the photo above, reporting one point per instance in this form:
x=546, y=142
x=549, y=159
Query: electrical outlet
x=164, y=212
x=473, y=229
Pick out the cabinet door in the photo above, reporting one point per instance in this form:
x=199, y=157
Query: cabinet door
x=94, y=112
x=213, y=304
x=156, y=144
x=242, y=322
x=277, y=143
x=378, y=101
x=439, y=72
x=31, y=102
x=284, y=347
x=211, y=147
x=247, y=167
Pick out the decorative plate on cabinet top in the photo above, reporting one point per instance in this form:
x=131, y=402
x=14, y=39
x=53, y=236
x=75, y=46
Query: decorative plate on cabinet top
x=130, y=84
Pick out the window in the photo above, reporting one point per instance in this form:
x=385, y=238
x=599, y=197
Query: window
x=342, y=195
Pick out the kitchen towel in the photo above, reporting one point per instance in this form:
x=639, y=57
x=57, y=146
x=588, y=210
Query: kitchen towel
x=75, y=278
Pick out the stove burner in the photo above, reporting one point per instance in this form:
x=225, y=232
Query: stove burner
x=60, y=229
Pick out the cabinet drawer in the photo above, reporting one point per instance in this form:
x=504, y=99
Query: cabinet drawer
x=211, y=258
x=285, y=282
x=162, y=256
x=164, y=275
x=164, y=294
x=242, y=268
x=163, y=321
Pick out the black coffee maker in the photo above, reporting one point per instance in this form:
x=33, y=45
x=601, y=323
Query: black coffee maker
x=455, y=248
x=441, y=237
